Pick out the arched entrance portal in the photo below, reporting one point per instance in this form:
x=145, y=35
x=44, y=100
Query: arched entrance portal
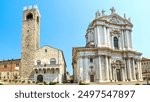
x=118, y=74
x=91, y=78
x=40, y=78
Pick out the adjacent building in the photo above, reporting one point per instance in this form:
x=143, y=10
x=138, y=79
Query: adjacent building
x=108, y=55
x=9, y=69
x=49, y=65
x=145, y=68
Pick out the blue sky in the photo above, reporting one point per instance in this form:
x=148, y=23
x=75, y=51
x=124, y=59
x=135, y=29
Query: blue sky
x=64, y=24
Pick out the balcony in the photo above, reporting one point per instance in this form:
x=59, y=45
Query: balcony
x=47, y=66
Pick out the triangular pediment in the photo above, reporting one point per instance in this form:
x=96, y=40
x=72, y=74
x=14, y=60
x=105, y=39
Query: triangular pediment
x=47, y=47
x=116, y=19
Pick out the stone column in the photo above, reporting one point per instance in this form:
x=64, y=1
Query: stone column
x=113, y=72
x=140, y=70
x=105, y=36
x=86, y=70
x=126, y=39
x=129, y=69
x=122, y=39
x=112, y=42
x=97, y=69
x=100, y=70
x=122, y=71
x=119, y=42
x=108, y=37
x=110, y=68
x=107, y=70
x=81, y=68
x=130, y=38
x=125, y=70
x=95, y=37
x=98, y=36
x=134, y=77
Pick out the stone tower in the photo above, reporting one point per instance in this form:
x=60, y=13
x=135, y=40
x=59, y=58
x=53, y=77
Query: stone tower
x=30, y=40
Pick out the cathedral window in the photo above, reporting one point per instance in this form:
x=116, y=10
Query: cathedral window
x=5, y=66
x=17, y=65
x=53, y=61
x=29, y=16
x=91, y=60
x=45, y=50
x=116, y=43
x=38, y=62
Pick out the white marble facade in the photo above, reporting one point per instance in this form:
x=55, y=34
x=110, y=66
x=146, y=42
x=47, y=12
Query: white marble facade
x=108, y=55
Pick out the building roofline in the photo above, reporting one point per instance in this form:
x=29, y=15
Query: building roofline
x=56, y=49
x=145, y=59
x=10, y=60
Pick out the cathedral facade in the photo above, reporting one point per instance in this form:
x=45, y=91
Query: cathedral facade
x=108, y=55
x=39, y=64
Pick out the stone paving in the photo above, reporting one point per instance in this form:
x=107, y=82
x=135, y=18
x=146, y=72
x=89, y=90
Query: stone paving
x=120, y=83
x=94, y=83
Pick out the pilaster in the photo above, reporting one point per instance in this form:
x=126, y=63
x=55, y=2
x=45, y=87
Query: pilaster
x=105, y=36
x=108, y=38
x=98, y=36
x=122, y=39
x=133, y=68
x=140, y=70
x=129, y=69
x=110, y=68
x=86, y=70
x=107, y=69
x=100, y=70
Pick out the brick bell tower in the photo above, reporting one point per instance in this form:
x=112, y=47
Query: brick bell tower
x=30, y=40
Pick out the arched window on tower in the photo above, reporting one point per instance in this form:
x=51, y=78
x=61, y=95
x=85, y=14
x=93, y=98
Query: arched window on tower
x=52, y=61
x=116, y=43
x=29, y=16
